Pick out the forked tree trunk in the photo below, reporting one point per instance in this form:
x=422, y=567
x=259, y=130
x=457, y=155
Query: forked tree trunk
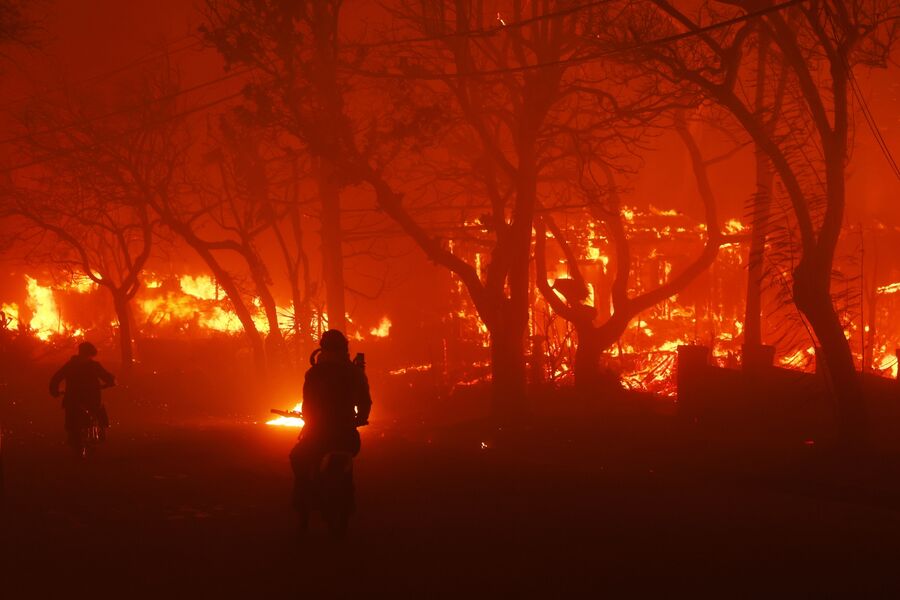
x=593, y=342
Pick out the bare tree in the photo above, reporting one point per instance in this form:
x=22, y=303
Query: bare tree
x=569, y=300
x=819, y=42
x=502, y=96
x=254, y=198
x=296, y=47
x=184, y=216
x=92, y=180
x=238, y=203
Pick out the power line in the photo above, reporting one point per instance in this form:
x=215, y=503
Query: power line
x=587, y=57
x=148, y=57
x=63, y=154
x=486, y=31
x=574, y=60
x=872, y=123
x=127, y=110
x=870, y=120
x=863, y=104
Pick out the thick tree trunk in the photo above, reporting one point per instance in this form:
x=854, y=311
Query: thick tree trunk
x=759, y=228
x=508, y=371
x=587, y=358
x=332, y=247
x=123, y=315
x=593, y=341
x=510, y=327
x=813, y=299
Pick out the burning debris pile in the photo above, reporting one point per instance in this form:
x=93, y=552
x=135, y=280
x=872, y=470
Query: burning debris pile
x=642, y=359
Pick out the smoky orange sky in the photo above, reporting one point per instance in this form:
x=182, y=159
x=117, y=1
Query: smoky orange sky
x=85, y=39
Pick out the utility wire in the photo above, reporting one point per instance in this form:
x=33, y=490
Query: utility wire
x=162, y=53
x=872, y=123
x=64, y=153
x=483, y=32
x=148, y=57
x=128, y=109
x=587, y=57
x=574, y=60
x=863, y=104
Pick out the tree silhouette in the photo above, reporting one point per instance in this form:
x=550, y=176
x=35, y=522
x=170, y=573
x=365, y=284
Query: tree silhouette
x=818, y=43
x=94, y=178
x=569, y=297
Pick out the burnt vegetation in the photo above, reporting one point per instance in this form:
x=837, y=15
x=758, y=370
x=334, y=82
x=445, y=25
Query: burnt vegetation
x=502, y=145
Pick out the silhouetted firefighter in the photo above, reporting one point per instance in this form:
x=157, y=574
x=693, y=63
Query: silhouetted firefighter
x=336, y=401
x=85, y=414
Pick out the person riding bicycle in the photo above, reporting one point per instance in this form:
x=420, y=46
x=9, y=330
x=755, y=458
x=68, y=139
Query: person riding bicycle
x=84, y=378
x=336, y=401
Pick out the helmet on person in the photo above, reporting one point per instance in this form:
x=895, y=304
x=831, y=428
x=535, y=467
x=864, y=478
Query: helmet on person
x=334, y=341
x=87, y=349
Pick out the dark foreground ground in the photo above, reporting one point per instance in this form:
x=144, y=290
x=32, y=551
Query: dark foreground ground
x=565, y=508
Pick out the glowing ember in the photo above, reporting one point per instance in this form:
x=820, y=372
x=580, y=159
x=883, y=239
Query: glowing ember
x=669, y=346
x=796, y=359
x=664, y=213
x=288, y=421
x=734, y=226
x=410, y=369
x=891, y=288
x=383, y=329
x=888, y=363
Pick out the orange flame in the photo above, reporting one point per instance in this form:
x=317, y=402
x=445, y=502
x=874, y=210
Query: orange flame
x=11, y=313
x=202, y=287
x=289, y=421
x=383, y=329
x=46, y=320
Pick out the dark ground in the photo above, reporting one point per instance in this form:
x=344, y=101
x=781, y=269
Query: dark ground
x=569, y=508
